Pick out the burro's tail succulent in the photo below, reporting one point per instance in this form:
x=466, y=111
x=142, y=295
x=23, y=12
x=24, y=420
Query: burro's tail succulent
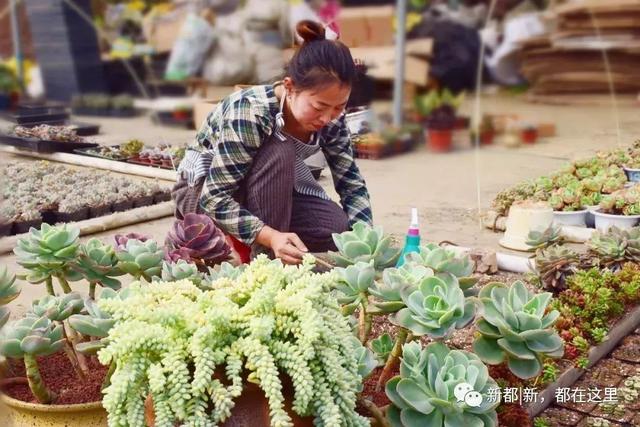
x=514, y=328
x=439, y=387
x=141, y=259
x=28, y=338
x=9, y=290
x=364, y=244
x=435, y=308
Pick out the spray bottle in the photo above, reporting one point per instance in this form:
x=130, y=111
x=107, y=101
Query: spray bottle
x=412, y=241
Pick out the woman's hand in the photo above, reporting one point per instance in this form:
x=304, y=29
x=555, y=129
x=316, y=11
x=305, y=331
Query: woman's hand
x=286, y=246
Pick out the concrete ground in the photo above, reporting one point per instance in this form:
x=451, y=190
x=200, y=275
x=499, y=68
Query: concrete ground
x=447, y=189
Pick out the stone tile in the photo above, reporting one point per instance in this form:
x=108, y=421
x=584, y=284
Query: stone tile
x=629, y=350
x=623, y=418
x=584, y=408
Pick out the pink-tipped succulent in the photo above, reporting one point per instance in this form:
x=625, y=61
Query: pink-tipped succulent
x=122, y=239
x=198, y=238
x=177, y=254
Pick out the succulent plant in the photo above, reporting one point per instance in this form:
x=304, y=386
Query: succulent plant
x=435, y=308
x=224, y=270
x=141, y=259
x=543, y=239
x=180, y=270
x=439, y=387
x=366, y=359
x=622, y=202
x=198, y=237
x=122, y=239
x=48, y=251
x=58, y=308
x=9, y=290
x=442, y=260
x=615, y=247
x=27, y=338
x=554, y=264
x=514, y=327
x=354, y=283
x=364, y=244
x=382, y=347
x=96, y=323
x=98, y=264
x=394, y=281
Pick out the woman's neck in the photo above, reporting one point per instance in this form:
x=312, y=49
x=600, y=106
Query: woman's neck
x=291, y=125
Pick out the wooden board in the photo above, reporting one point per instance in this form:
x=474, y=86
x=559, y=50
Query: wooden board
x=597, y=6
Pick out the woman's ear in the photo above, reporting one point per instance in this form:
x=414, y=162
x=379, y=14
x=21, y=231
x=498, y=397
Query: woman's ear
x=287, y=82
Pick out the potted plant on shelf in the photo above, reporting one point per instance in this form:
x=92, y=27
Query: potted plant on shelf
x=122, y=106
x=9, y=87
x=620, y=209
x=567, y=204
x=632, y=169
x=438, y=110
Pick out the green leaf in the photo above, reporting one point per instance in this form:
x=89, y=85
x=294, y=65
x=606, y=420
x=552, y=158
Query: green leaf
x=524, y=369
x=516, y=349
x=414, y=395
x=392, y=393
x=488, y=350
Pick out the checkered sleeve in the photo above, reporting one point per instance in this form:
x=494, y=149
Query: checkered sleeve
x=347, y=179
x=232, y=136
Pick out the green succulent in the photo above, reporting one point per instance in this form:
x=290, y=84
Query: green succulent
x=180, y=270
x=9, y=290
x=616, y=247
x=382, y=347
x=435, y=308
x=141, y=259
x=33, y=335
x=543, y=239
x=364, y=244
x=224, y=270
x=394, y=280
x=366, y=359
x=442, y=260
x=48, y=251
x=353, y=284
x=514, y=327
x=96, y=323
x=430, y=382
x=98, y=263
x=58, y=308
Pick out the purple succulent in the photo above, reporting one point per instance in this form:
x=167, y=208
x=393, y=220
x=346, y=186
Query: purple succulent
x=177, y=254
x=197, y=237
x=122, y=239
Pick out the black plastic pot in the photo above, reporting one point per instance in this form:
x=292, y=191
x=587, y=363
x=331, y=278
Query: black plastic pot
x=162, y=196
x=100, y=210
x=76, y=216
x=6, y=229
x=24, y=226
x=143, y=201
x=122, y=206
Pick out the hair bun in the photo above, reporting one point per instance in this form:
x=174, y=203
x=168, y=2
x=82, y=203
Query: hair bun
x=310, y=31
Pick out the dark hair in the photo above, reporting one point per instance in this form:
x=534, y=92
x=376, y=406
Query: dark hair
x=319, y=61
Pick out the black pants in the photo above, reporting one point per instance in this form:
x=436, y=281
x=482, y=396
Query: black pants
x=268, y=192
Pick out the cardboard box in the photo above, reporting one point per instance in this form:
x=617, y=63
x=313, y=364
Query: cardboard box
x=366, y=26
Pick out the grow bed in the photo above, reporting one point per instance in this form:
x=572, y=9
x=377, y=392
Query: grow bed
x=42, y=146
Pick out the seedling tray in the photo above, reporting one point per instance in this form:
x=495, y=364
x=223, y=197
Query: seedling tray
x=87, y=152
x=41, y=146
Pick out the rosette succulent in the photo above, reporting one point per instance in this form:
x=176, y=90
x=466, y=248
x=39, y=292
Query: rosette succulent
x=98, y=264
x=394, y=282
x=364, y=244
x=353, y=284
x=382, y=347
x=199, y=238
x=96, y=323
x=514, y=328
x=28, y=338
x=122, y=239
x=435, y=308
x=180, y=270
x=439, y=387
x=616, y=247
x=48, y=251
x=443, y=260
x=141, y=259
x=58, y=308
x=9, y=290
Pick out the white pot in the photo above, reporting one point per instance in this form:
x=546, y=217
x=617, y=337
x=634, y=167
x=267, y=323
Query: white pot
x=524, y=218
x=633, y=175
x=605, y=221
x=575, y=218
x=590, y=219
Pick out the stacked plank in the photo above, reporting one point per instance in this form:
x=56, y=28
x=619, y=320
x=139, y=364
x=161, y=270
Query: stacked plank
x=571, y=59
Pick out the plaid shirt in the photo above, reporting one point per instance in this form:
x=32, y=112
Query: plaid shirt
x=230, y=138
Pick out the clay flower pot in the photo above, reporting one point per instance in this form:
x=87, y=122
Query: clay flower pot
x=23, y=414
x=440, y=140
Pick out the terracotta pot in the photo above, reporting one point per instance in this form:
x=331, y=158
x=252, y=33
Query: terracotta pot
x=23, y=414
x=529, y=135
x=251, y=408
x=486, y=137
x=440, y=140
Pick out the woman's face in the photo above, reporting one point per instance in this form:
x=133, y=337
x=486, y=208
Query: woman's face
x=314, y=108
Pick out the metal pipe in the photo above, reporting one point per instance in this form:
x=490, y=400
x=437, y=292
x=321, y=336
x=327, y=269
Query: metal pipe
x=398, y=82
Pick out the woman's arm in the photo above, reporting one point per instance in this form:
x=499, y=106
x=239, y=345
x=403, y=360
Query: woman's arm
x=347, y=180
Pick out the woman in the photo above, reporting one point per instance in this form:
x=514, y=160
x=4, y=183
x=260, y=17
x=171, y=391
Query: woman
x=246, y=169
